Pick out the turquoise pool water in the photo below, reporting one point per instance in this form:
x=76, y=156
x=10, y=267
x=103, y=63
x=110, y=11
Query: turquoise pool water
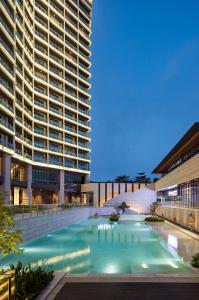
x=96, y=246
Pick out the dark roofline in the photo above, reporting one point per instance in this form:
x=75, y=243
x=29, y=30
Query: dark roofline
x=182, y=142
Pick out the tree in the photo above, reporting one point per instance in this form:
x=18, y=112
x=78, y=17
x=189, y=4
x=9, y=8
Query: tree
x=123, y=207
x=123, y=178
x=153, y=207
x=9, y=237
x=141, y=177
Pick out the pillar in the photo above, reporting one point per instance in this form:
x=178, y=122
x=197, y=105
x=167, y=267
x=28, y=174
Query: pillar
x=29, y=183
x=61, y=187
x=6, y=177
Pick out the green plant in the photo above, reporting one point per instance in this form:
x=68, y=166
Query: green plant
x=114, y=217
x=195, y=261
x=30, y=282
x=123, y=207
x=153, y=219
x=153, y=207
x=9, y=238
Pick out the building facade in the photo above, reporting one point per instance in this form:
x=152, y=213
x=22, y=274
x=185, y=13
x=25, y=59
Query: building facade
x=178, y=188
x=44, y=99
x=100, y=193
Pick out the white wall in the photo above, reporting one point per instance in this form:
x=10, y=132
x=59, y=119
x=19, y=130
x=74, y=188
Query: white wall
x=139, y=201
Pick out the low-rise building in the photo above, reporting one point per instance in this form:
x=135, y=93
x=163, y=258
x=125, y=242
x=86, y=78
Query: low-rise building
x=178, y=187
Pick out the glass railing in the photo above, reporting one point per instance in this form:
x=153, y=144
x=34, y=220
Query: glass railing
x=6, y=144
x=41, y=49
x=41, y=8
x=39, y=131
x=70, y=129
x=40, y=118
x=57, y=8
x=8, y=9
x=6, y=124
x=54, y=136
x=6, y=85
x=55, y=97
x=54, y=123
x=70, y=141
x=59, y=35
x=10, y=31
x=5, y=45
x=5, y=103
x=40, y=104
x=40, y=90
x=39, y=145
x=6, y=66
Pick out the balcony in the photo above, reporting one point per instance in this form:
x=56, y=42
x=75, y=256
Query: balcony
x=55, y=123
x=7, y=85
x=6, y=144
x=70, y=129
x=57, y=34
x=55, y=97
x=56, y=111
x=7, y=28
x=40, y=118
x=57, y=8
x=39, y=131
x=6, y=104
x=57, y=72
x=70, y=140
x=40, y=103
x=40, y=48
x=55, y=136
x=71, y=117
x=8, y=9
x=44, y=10
x=7, y=47
x=56, y=84
x=40, y=90
x=6, y=124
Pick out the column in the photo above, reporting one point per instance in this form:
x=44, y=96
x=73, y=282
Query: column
x=61, y=187
x=29, y=183
x=6, y=177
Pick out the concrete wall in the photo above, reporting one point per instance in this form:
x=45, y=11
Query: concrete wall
x=184, y=173
x=138, y=201
x=37, y=226
x=183, y=216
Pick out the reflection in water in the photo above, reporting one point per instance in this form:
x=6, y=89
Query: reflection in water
x=173, y=241
x=57, y=259
x=97, y=246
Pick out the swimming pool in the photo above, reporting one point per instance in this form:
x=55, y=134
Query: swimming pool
x=96, y=246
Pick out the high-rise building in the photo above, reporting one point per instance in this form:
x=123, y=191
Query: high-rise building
x=44, y=99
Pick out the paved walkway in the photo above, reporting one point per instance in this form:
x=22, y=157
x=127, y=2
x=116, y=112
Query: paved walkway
x=128, y=291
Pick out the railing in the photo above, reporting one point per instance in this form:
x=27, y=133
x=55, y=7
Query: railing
x=27, y=211
x=7, y=288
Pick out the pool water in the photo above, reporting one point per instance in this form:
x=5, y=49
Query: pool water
x=96, y=246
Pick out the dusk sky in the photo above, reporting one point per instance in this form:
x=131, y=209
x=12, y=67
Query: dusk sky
x=145, y=82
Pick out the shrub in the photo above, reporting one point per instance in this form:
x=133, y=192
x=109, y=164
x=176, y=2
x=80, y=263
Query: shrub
x=123, y=207
x=30, y=282
x=153, y=219
x=114, y=217
x=195, y=261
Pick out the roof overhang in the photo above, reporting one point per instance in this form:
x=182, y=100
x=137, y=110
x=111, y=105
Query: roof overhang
x=187, y=142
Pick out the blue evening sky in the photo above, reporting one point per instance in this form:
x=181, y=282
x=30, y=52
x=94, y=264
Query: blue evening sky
x=145, y=82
